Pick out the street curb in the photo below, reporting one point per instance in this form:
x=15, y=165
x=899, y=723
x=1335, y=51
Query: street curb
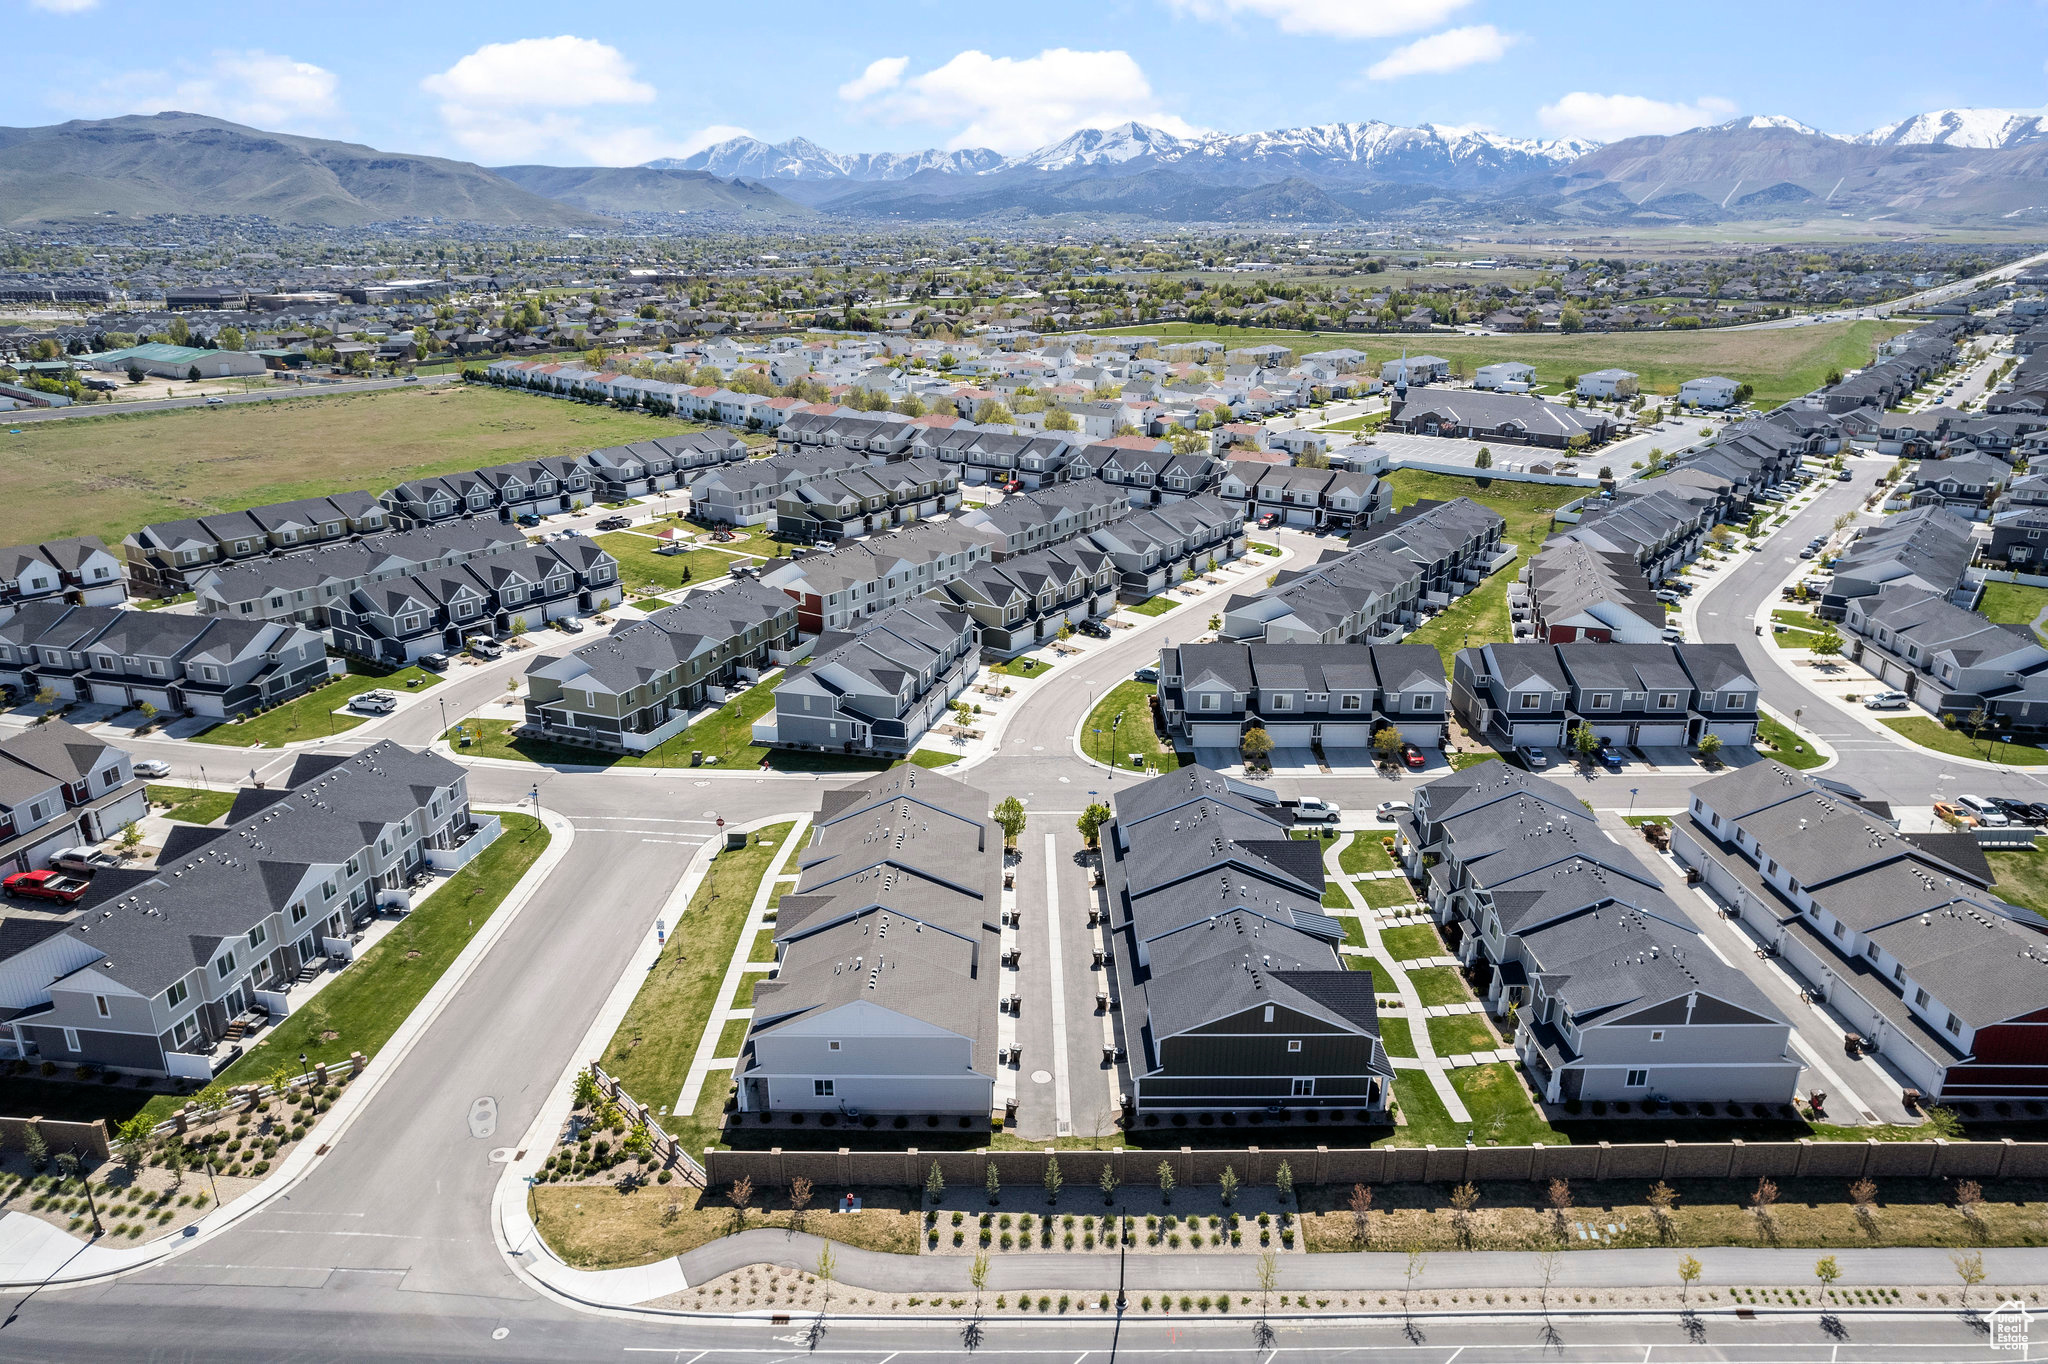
x=329, y=1131
x=512, y=1225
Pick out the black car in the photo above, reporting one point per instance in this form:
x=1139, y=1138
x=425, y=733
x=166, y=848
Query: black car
x=2018, y=811
x=615, y=523
x=1093, y=628
x=2037, y=813
x=434, y=663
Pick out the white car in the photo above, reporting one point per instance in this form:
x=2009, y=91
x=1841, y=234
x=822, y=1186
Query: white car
x=374, y=702
x=152, y=767
x=1888, y=700
x=1387, y=811
x=1983, y=811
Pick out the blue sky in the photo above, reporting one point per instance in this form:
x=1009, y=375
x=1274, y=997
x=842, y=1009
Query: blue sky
x=622, y=83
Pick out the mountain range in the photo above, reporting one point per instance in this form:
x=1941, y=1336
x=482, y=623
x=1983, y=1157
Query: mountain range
x=1949, y=165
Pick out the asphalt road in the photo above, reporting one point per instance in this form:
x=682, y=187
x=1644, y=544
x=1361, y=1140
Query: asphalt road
x=384, y=1251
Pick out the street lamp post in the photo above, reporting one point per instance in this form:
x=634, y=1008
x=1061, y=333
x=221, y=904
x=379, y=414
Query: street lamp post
x=91, y=1206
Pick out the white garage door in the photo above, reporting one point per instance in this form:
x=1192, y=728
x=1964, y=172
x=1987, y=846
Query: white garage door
x=1289, y=736
x=1733, y=731
x=1423, y=733
x=1346, y=734
x=109, y=694
x=1540, y=735
x=1301, y=516
x=1894, y=675
x=1661, y=736
x=1613, y=734
x=1214, y=735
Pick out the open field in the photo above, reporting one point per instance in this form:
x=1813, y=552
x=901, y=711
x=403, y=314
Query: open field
x=1780, y=364
x=600, y=1226
x=106, y=476
x=1481, y=616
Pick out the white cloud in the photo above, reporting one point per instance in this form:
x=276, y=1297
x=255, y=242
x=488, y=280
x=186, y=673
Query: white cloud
x=1015, y=104
x=1329, y=18
x=262, y=89
x=881, y=74
x=540, y=99
x=63, y=6
x=1451, y=50
x=1610, y=118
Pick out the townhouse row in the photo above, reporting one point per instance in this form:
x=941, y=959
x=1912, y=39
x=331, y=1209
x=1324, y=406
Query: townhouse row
x=60, y=788
x=1305, y=696
x=79, y=568
x=159, y=971
x=1539, y=696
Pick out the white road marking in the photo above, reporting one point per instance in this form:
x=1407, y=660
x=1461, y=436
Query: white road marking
x=1063, y=1095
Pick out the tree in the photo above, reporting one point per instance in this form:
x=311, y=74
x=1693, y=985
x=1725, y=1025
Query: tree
x=1165, y=1181
x=1010, y=814
x=1269, y=1278
x=1256, y=744
x=587, y=1092
x=1662, y=1198
x=1226, y=1185
x=1688, y=1273
x=1763, y=1197
x=1710, y=746
x=1464, y=1198
x=34, y=1147
x=1386, y=743
x=131, y=838
x=1969, y=1198
x=1418, y=1261
x=1827, y=1270
x=934, y=1185
x=639, y=1143
x=1484, y=459
x=977, y=1275
x=1585, y=743
x=1548, y=1261
x=993, y=1185
x=1107, y=1182
x=1054, y=1180
x=1559, y=1196
x=192, y=375
x=1863, y=1197
x=992, y=413
x=230, y=338
x=136, y=373
x=1827, y=643
x=828, y=1267
x=1970, y=1269
x=740, y=1193
x=1361, y=1214
x=1059, y=419
x=1091, y=821
x=799, y=1201
x=1283, y=1182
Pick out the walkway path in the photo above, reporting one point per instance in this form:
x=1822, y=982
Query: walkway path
x=707, y=1058
x=1426, y=1060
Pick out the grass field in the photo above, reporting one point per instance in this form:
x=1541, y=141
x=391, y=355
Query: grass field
x=1134, y=732
x=1781, y=363
x=1364, y=853
x=190, y=804
x=1775, y=741
x=643, y=570
x=1395, y=1037
x=1439, y=985
x=361, y=1008
x=1481, y=617
x=1461, y=1033
x=1930, y=734
x=1382, y=979
x=1155, y=606
x=108, y=475
x=1411, y=942
x=650, y=1054
x=2012, y=603
x=1386, y=892
x=312, y=716
x=2021, y=878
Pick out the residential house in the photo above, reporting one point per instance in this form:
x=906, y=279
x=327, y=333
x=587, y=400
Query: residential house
x=1952, y=661
x=396, y=620
x=80, y=567
x=1926, y=547
x=879, y=690
x=1607, y=383
x=1712, y=392
x=1505, y=376
x=865, y=501
x=1332, y=696
x=178, y=663
x=538, y=487
x=167, y=557
x=661, y=464
x=1320, y=499
x=301, y=587
x=60, y=787
x=1509, y=418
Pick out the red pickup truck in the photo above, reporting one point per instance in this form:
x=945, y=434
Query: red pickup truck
x=47, y=885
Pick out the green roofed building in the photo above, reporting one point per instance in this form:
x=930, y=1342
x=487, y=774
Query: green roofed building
x=176, y=362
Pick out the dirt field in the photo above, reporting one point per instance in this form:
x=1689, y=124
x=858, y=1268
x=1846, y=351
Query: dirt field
x=109, y=475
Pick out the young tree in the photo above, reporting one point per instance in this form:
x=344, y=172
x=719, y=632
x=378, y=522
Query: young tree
x=1386, y=744
x=1256, y=744
x=1863, y=1197
x=1226, y=1185
x=1054, y=1180
x=1827, y=1270
x=1417, y=1262
x=1826, y=644
x=1165, y=1181
x=1269, y=1278
x=1688, y=1272
x=1559, y=1197
x=1548, y=1261
x=828, y=1268
x=1585, y=743
x=1283, y=1182
x=993, y=1185
x=1464, y=1198
x=1969, y=1198
x=934, y=1186
x=740, y=1194
x=131, y=838
x=136, y=373
x=1107, y=1182
x=1763, y=1197
x=977, y=1275
x=1484, y=459
x=1710, y=746
x=588, y=1095
x=1361, y=1214
x=1091, y=821
x=799, y=1202
x=1662, y=1198
x=1970, y=1269
x=1010, y=815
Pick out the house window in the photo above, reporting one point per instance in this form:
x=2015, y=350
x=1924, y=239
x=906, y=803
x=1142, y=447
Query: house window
x=1919, y=999
x=821, y=1089
x=1282, y=702
x=1269, y=1013
x=1637, y=1079
x=1531, y=700
x=1304, y=1089
x=1424, y=702
x=299, y=912
x=1208, y=701
x=1656, y=1034
x=832, y=1046
x=100, y=1003
x=1601, y=701
x=1737, y=699
x=1667, y=700
x=175, y=996
x=1293, y=1044
x=71, y=1040
x=225, y=965
x=257, y=935
x=1350, y=703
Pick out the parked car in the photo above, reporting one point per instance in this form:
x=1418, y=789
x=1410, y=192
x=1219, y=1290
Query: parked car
x=1095, y=629
x=216, y=402
x=434, y=663
x=527, y=519
x=1674, y=636
x=1414, y=757
x=84, y=861
x=1955, y=814
x=412, y=378
x=152, y=767
x=1983, y=811
x=2037, y=812
x=1269, y=520
x=483, y=646
x=569, y=625
x=1842, y=476
x=1611, y=759
x=1888, y=700
x=1387, y=811
x=2018, y=811
x=1535, y=759
x=1315, y=810
x=1147, y=673
x=614, y=522
x=63, y=887
x=1668, y=597
x=373, y=702
x=1808, y=552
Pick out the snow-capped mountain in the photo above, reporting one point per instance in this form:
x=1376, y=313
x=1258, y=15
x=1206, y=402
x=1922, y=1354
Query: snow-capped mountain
x=1104, y=147
x=1345, y=150
x=1978, y=128
x=802, y=159
x=1771, y=122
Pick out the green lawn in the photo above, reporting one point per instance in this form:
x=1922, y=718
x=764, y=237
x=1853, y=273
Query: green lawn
x=1461, y=761
x=1780, y=363
x=1439, y=985
x=364, y=1005
x=1134, y=732
x=642, y=570
x=1429, y=1122
x=1774, y=740
x=1382, y=979
x=190, y=804
x=2012, y=603
x=1412, y=942
x=1354, y=932
x=733, y=1036
x=650, y=604
x=1461, y=1033
x=927, y=757
x=1026, y=666
x=1334, y=897
x=310, y=717
x=1154, y=606
x=2021, y=878
x=764, y=945
x=1364, y=853
x=1386, y=893
x=1395, y=1037
x=1372, y=421
x=727, y=733
x=1500, y=1107
x=1930, y=734
x=1481, y=616
x=650, y=1054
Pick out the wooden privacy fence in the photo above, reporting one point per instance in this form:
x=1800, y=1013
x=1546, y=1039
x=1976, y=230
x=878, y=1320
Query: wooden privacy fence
x=1321, y=1165
x=666, y=1149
